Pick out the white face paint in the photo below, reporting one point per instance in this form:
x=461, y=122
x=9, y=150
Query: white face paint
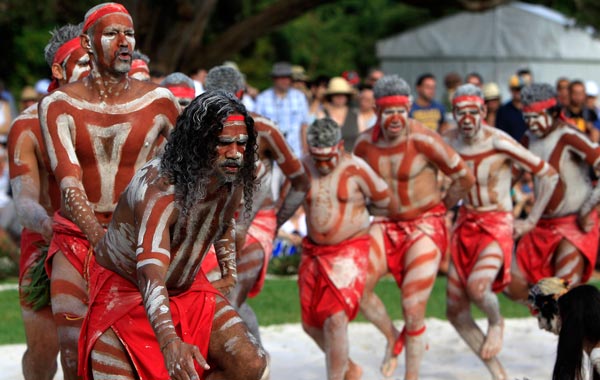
x=468, y=116
x=114, y=40
x=80, y=67
x=539, y=123
x=394, y=121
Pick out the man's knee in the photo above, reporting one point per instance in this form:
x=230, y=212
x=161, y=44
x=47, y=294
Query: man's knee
x=476, y=290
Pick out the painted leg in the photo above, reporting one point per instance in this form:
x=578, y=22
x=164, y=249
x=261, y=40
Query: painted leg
x=421, y=265
x=518, y=289
x=109, y=359
x=249, y=266
x=569, y=263
x=250, y=319
x=233, y=352
x=479, y=291
x=69, y=306
x=39, y=359
x=371, y=305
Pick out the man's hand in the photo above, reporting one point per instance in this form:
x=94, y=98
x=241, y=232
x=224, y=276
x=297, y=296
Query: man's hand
x=179, y=359
x=225, y=284
x=521, y=227
x=585, y=222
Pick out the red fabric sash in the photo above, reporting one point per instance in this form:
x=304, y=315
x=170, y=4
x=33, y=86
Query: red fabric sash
x=70, y=240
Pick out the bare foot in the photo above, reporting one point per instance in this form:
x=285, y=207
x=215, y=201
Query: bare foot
x=390, y=360
x=354, y=371
x=493, y=341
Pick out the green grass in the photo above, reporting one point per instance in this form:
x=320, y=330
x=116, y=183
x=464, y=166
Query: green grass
x=278, y=303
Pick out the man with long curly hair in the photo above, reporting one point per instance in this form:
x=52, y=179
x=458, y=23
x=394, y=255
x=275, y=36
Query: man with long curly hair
x=148, y=273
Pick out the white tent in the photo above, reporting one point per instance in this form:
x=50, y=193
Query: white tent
x=495, y=44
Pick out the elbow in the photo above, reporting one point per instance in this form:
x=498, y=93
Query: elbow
x=301, y=184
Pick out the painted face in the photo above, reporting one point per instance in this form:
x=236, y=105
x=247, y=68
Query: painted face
x=394, y=121
x=468, y=116
x=76, y=66
x=230, y=149
x=539, y=123
x=114, y=42
x=325, y=158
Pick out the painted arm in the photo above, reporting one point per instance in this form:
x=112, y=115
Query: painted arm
x=590, y=153
x=24, y=177
x=292, y=169
x=449, y=162
x=225, y=249
x=153, y=259
x=57, y=129
x=545, y=174
x=375, y=189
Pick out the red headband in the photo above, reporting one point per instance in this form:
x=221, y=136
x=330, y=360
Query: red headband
x=540, y=106
x=235, y=117
x=139, y=64
x=393, y=100
x=101, y=12
x=66, y=49
x=467, y=98
x=183, y=92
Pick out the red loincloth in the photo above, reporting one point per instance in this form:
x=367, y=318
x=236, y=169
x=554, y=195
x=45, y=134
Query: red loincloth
x=328, y=283
x=535, y=250
x=400, y=235
x=473, y=232
x=117, y=303
x=67, y=238
x=262, y=230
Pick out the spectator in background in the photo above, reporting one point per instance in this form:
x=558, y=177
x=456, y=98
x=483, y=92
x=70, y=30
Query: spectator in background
x=425, y=109
x=509, y=117
x=41, y=86
x=337, y=107
x=451, y=82
x=5, y=117
x=491, y=96
x=286, y=106
x=317, y=92
x=7, y=96
x=198, y=77
x=366, y=108
x=28, y=98
x=591, y=93
x=562, y=91
x=352, y=77
x=300, y=80
x=475, y=79
x=582, y=117
x=249, y=93
x=373, y=76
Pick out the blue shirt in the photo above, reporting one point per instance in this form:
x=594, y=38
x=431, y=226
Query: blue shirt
x=289, y=112
x=510, y=119
x=431, y=116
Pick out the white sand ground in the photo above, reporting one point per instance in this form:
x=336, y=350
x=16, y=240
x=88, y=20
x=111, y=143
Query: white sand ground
x=528, y=353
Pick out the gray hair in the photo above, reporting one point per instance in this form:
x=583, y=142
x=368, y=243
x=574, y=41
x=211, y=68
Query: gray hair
x=390, y=85
x=224, y=78
x=468, y=89
x=59, y=37
x=177, y=79
x=90, y=30
x=323, y=133
x=139, y=55
x=536, y=92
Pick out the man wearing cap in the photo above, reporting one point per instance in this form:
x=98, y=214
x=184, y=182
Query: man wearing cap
x=482, y=240
x=259, y=226
x=426, y=109
x=412, y=239
x=564, y=243
x=98, y=132
x=333, y=267
x=285, y=105
x=37, y=196
x=583, y=118
x=509, y=117
x=181, y=86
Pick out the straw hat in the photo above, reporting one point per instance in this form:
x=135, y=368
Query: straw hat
x=338, y=85
x=491, y=91
x=29, y=93
x=298, y=73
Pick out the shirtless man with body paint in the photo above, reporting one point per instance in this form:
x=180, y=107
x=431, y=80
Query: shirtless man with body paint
x=564, y=243
x=37, y=197
x=147, y=272
x=260, y=226
x=411, y=240
x=333, y=268
x=97, y=132
x=482, y=241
